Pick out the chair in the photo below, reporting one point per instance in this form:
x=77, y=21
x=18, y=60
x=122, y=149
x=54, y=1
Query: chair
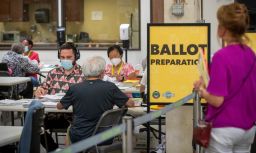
x=3, y=67
x=58, y=132
x=37, y=114
x=38, y=122
x=4, y=91
x=107, y=120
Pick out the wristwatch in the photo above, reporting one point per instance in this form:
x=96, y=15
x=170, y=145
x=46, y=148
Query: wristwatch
x=122, y=78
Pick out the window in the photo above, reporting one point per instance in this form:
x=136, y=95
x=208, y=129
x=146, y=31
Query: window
x=92, y=24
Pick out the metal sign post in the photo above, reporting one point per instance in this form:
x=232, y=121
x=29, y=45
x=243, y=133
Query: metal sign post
x=127, y=135
x=197, y=115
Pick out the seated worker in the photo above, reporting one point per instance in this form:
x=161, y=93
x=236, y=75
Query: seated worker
x=58, y=81
x=143, y=81
x=91, y=98
x=19, y=66
x=33, y=56
x=118, y=70
x=143, y=86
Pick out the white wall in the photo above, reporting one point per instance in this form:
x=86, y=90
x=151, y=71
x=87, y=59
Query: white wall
x=179, y=122
x=210, y=8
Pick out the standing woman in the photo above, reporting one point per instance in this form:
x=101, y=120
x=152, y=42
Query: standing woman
x=118, y=70
x=231, y=91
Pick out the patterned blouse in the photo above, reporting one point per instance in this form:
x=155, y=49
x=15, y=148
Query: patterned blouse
x=125, y=70
x=19, y=65
x=58, y=82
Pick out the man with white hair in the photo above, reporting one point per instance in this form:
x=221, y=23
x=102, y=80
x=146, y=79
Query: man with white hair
x=91, y=98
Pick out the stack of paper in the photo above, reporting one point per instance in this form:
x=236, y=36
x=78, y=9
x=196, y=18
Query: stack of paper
x=9, y=102
x=203, y=67
x=49, y=104
x=53, y=98
x=137, y=101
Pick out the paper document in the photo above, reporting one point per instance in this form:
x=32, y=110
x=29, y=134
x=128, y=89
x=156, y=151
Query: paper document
x=50, y=104
x=203, y=66
x=54, y=98
x=123, y=88
x=137, y=101
x=9, y=102
x=47, y=104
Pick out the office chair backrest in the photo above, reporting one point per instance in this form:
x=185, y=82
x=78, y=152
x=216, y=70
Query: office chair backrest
x=109, y=119
x=4, y=90
x=4, y=73
x=3, y=67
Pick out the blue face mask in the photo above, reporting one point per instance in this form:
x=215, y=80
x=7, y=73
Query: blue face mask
x=66, y=64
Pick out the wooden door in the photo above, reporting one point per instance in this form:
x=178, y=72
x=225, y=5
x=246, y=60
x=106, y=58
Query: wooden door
x=74, y=10
x=16, y=10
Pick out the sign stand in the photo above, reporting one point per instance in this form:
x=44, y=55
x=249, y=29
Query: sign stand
x=172, y=58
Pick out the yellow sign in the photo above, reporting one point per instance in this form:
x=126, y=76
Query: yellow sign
x=252, y=42
x=173, y=56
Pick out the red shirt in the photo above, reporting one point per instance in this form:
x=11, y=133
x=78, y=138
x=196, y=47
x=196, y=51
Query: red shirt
x=32, y=55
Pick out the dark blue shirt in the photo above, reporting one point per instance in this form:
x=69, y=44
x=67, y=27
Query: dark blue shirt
x=90, y=99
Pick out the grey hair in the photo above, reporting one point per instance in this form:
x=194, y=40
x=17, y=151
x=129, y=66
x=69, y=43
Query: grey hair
x=94, y=66
x=18, y=48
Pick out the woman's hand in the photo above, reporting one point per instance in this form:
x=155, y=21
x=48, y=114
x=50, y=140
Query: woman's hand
x=120, y=78
x=199, y=84
x=214, y=100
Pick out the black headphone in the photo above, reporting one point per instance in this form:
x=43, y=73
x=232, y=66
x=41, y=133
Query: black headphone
x=70, y=45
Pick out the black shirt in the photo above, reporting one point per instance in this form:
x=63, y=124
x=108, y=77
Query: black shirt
x=90, y=99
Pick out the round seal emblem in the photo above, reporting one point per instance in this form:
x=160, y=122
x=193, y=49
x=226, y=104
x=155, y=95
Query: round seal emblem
x=156, y=94
x=168, y=94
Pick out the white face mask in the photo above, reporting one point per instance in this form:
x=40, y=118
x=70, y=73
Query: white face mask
x=115, y=61
x=26, y=49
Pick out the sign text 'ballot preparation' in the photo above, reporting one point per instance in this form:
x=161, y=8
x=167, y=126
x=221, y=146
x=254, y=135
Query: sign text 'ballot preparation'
x=174, y=49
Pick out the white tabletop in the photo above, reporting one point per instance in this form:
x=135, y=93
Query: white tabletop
x=9, y=134
x=46, y=69
x=11, y=81
x=136, y=111
x=20, y=108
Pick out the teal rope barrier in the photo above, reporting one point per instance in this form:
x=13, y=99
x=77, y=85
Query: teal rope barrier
x=153, y=115
x=117, y=130
x=87, y=143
